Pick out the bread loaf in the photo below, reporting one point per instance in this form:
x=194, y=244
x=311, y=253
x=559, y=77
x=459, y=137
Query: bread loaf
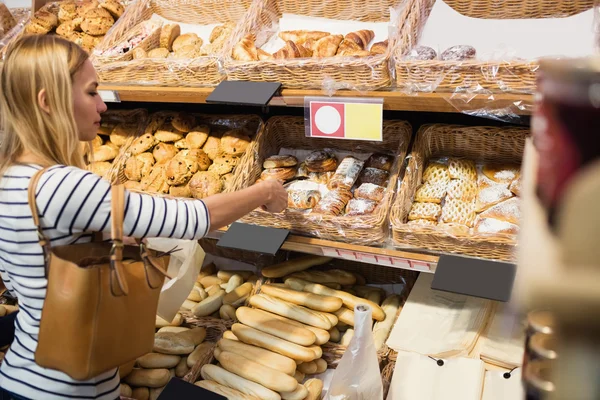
x=157, y=360
x=200, y=352
x=152, y=378
x=236, y=381
x=308, y=368
x=349, y=300
x=238, y=296
x=321, y=365
x=346, y=316
x=226, y=275
x=263, y=321
x=228, y=393
x=260, y=355
x=140, y=393
x=209, y=305
x=255, y=372
x=255, y=337
x=234, y=282
x=181, y=369
x=309, y=300
x=292, y=311
x=315, y=388
x=298, y=394
x=382, y=329
x=334, y=275
x=172, y=343
x=196, y=335
x=295, y=265
x=321, y=334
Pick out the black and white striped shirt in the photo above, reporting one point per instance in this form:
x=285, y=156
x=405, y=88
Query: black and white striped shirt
x=72, y=203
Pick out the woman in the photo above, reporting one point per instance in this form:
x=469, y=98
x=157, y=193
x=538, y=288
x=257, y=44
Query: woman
x=49, y=102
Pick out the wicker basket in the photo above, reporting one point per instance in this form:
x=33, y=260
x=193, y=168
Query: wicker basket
x=289, y=132
x=481, y=144
x=201, y=71
x=219, y=123
x=363, y=73
x=496, y=76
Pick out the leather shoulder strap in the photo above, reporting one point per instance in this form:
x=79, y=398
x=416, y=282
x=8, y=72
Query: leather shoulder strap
x=33, y=182
x=116, y=253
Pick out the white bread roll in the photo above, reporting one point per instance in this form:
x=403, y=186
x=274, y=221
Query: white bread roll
x=260, y=355
x=308, y=368
x=292, y=311
x=263, y=321
x=309, y=300
x=233, y=381
x=321, y=334
x=238, y=296
x=321, y=365
x=225, y=276
x=156, y=360
x=298, y=394
x=229, y=335
x=255, y=337
x=315, y=388
x=349, y=300
x=382, y=329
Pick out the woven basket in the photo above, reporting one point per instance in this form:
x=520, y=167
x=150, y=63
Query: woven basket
x=362, y=73
x=289, y=132
x=220, y=124
x=496, y=76
x=201, y=71
x=481, y=144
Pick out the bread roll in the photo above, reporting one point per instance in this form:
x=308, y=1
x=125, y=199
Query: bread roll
x=177, y=321
x=238, y=296
x=255, y=337
x=308, y=368
x=157, y=360
x=200, y=352
x=315, y=388
x=237, y=382
x=227, y=312
x=298, y=394
x=125, y=390
x=321, y=334
x=226, y=275
x=261, y=356
x=181, y=369
x=229, y=335
x=172, y=343
x=152, y=378
x=255, y=372
x=334, y=275
x=292, y=311
x=317, y=350
x=263, y=321
x=197, y=294
x=188, y=305
x=346, y=316
x=334, y=335
x=349, y=300
x=140, y=393
x=126, y=369
x=321, y=365
x=209, y=281
x=347, y=338
x=299, y=376
x=310, y=300
x=209, y=305
x=298, y=284
x=295, y=265
x=196, y=335
x=382, y=329
x=228, y=393
x=233, y=283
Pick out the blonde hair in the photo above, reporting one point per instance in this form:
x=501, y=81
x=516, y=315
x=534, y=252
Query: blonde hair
x=31, y=64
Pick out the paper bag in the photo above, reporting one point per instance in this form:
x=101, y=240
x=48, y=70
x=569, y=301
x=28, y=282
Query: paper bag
x=497, y=387
x=184, y=266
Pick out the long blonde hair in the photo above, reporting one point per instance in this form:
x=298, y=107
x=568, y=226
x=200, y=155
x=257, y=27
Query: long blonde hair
x=31, y=64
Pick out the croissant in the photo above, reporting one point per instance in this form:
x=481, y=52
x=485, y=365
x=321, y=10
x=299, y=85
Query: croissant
x=379, y=47
x=347, y=46
x=301, y=37
x=263, y=55
x=292, y=50
x=327, y=46
x=245, y=50
x=361, y=38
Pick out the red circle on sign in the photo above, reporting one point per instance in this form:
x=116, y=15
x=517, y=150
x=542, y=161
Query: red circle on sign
x=314, y=129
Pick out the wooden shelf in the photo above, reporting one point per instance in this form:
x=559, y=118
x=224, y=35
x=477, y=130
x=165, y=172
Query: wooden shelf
x=431, y=102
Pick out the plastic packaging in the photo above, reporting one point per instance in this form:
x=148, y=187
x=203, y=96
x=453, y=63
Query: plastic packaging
x=357, y=376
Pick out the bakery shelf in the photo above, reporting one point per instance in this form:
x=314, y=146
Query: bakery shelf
x=427, y=102
x=385, y=256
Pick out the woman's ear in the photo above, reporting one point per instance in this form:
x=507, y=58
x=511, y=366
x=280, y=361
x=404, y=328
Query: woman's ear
x=42, y=101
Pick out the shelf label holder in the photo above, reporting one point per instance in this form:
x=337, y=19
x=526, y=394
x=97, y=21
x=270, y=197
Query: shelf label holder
x=259, y=239
x=377, y=259
x=244, y=93
x=109, y=96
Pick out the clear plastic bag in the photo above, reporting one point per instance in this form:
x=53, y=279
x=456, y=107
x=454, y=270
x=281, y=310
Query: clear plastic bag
x=357, y=376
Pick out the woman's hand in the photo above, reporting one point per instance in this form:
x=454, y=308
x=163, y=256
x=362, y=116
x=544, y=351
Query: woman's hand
x=276, y=195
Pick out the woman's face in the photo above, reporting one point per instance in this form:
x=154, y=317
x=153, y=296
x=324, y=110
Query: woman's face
x=88, y=104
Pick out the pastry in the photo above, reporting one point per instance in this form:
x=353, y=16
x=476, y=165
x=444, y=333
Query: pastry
x=228, y=180
x=85, y=6
x=245, y=50
x=303, y=199
x=168, y=34
x=430, y=211
x=360, y=38
x=333, y=203
x=134, y=186
x=422, y=222
x=376, y=176
x=354, y=53
x=369, y=191
x=235, y=142
x=495, y=226
x=301, y=36
x=122, y=132
x=421, y=53
x=142, y=144
x=327, y=46
x=501, y=173
x=459, y=168
x=508, y=210
x=156, y=121
x=303, y=171
x=88, y=42
x=66, y=29
x=180, y=191
x=139, y=53
x=97, y=22
x=100, y=168
x=436, y=173
x=283, y=174
x=97, y=142
x=187, y=39
x=263, y=55
x=322, y=178
x=67, y=10
x=197, y=137
x=221, y=168
x=164, y=152
x=156, y=181
x=197, y=155
x=491, y=195
x=183, y=122
x=360, y=207
x=106, y=152
x=430, y=193
x=280, y=161
x=321, y=161
x=180, y=171
x=346, y=174
x=158, y=53
x=380, y=161
x=462, y=190
x=187, y=52
x=458, y=212
x=218, y=37
x=459, y=53
x=139, y=166
x=115, y=8
x=166, y=134
x=515, y=186
x=212, y=147
x=220, y=30
x=204, y=184
x=292, y=50
x=42, y=22
x=454, y=228
x=379, y=47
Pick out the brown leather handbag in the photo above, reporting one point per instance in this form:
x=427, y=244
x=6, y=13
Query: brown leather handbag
x=101, y=301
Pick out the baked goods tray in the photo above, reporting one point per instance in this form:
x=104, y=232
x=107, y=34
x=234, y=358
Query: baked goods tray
x=211, y=129
x=298, y=70
x=504, y=73
x=491, y=145
x=140, y=30
x=289, y=132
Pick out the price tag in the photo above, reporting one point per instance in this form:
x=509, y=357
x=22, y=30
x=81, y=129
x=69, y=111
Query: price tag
x=344, y=118
x=377, y=259
x=109, y=96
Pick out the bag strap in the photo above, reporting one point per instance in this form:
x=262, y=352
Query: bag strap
x=43, y=240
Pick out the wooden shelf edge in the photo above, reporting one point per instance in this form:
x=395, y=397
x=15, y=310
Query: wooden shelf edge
x=398, y=101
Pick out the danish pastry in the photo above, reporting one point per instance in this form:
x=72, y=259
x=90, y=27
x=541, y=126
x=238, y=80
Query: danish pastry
x=164, y=152
x=180, y=171
x=303, y=199
x=346, y=174
x=156, y=181
x=422, y=222
x=282, y=174
x=197, y=137
x=183, y=122
x=321, y=161
x=235, y=142
x=495, y=226
x=280, y=161
x=204, y=184
x=321, y=177
x=360, y=207
x=459, y=168
x=100, y=168
x=501, y=173
x=508, y=210
x=515, y=186
x=333, y=203
x=121, y=133
x=458, y=212
x=375, y=176
x=97, y=22
x=462, y=190
x=369, y=191
x=380, y=161
x=139, y=166
x=212, y=147
x=436, y=173
x=302, y=171
x=197, y=155
x=491, y=195
x=180, y=191
x=168, y=34
x=431, y=211
x=165, y=134
x=430, y=193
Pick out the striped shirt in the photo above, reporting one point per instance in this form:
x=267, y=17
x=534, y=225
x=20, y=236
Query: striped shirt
x=71, y=203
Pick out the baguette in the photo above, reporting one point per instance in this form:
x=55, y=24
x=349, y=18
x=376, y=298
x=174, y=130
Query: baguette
x=321, y=365
x=309, y=300
x=228, y=393
x=229, y=335
x=152, y=378
x=333, y=275
x=234, y=282
x=261, y=356
x=298, y=394
x=347, y=338
x=263, y=321
x=298, y=284
x=238, y=296
x=334, y=335
x=227, y=312
x=209, y=305
x=382, y=329
x=299, y=376
x=291, y=266
x=346, y=316
x=317, y=350
x=157, y=360
x=225, y=276
x=315, y=388
x=172, y=343
x=308, y=368
x=255, y=337
x=255, y=372
x=321, y=334
x=292, y=311
x=363, y=291
x=349, y=300
x=237, y=382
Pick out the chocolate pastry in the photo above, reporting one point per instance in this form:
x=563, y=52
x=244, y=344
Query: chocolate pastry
x=459, y=53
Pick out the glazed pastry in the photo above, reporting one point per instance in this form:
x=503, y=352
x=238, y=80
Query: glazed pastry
x=168, y=34
x=515, y=186
x=180, y=191
x=431, y=211
x=346, y=174
x=180, y=171
x=114, y=7
x=459, y=168
x=283, y=174
x=321, y=161
x=97, y=22
x=360, y=207
x=322, y=178
x=158, y=53
x=375, y=176
x=458, y=212
x=245, y=50
x=156, y=181
x=197, y=155
x=292, y=50
x=212, y=147
x=139, y=166
x=303, y=199
x=491, y=195
x=495, y=226
x=280, y=161
x=421, y=53
x=187, y=39
x=142, y=144
x=459, y=53
x=301, y=36
x=164, y=152
x=227, y=180
x=508, y=210
x=436, y=173
x=465, y=190
x=380, y=161
x=134, y=186
x=183, y=122
x=333, y=203
x=100, y=168
x=379, y=47
x=501, y=173
x=165, y=134
x=204, y=184
x=430, y=193
x=106, y=152
x=327, y=46
x=235, y=143
x=369, y=191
